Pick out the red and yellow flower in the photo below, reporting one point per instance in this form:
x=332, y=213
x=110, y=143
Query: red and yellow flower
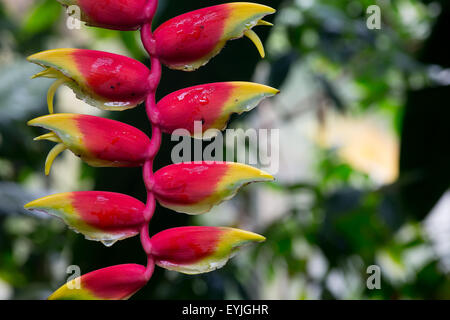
x=211, y=104
x=195, y=187
x=112, y=283
x=190, y=40
x=98, y=141
x=195, y=250
x=113, y=82
x=105, y=80
x=100, y=216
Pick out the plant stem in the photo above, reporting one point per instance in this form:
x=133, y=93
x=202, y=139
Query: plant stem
x=155, y=142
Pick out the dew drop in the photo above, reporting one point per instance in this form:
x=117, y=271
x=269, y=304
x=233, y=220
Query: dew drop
x=203, y=100
x=108, y=243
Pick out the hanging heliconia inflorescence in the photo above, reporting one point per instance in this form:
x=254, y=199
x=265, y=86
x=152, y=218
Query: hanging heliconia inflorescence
x=114, y=82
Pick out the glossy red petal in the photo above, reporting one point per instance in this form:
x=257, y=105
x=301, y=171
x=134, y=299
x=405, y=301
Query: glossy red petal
x=98, y=141
x=98, y=215
x=210, y=105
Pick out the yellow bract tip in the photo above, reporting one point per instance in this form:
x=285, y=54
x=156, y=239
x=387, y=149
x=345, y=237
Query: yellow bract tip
x=48, y=73
x=50, y=55
x=50, y=121
x=243, y=172
x=41, y=202
x=267, y=176
x=250, y=8
x=243, y=88
x=29, y=205
x=238, y=236
x=51, y=136
x=264, y=23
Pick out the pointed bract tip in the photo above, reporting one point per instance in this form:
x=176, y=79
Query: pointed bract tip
x=51, y=136
x=51, y=119
x=256, y=41
x=49, y=55
x=40, y=202
x=54, y=152
x=267, y=176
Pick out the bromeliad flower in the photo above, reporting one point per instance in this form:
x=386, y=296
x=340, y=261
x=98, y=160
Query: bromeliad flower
x=113, y=14
x=195, y=250
x=105, y=80
x=100, y=216
x=190, y=40
x=212, y=104
x=98, y=141
x=194, y=187
x=112, y=283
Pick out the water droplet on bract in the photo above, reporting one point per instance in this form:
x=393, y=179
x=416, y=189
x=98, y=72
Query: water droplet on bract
x=203, y=100
x=108, y=243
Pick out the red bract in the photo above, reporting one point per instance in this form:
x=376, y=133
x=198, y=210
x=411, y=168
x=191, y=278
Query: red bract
x=105, y=80
x=101, y=216
x=195, y=188
x=114, y=14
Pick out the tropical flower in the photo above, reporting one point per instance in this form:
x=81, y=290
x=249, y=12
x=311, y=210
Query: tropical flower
x=211, y=104
x=98, y=141
x=101, y=216
x=105, y=80
x=195, y=187
x=113, y=82
x=190, y=40
x=195, y=250
x=112, y=283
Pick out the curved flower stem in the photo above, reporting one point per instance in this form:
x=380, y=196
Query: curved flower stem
x=155, y=74
x=151, y=9
x=147, y=39
x=145, y=239
x=147, y=174
x=155, y=142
